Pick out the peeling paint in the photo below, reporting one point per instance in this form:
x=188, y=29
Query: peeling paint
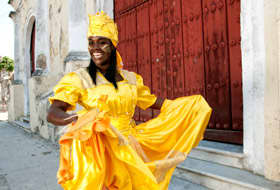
x=41, y=61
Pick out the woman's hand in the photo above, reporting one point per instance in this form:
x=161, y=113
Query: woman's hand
x=157, y=105
x=57, y=114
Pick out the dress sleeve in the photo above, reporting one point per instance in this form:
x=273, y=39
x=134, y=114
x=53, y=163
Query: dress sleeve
x=68, y=90
x=144, y=97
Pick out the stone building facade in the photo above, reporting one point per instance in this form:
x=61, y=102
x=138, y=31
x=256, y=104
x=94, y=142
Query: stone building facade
x=61, y=46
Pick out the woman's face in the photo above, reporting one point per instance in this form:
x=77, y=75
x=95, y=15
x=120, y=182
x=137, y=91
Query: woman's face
x=100, y=49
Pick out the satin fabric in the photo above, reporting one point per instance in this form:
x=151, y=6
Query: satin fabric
x=105, y=148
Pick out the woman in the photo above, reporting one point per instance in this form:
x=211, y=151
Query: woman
x=102, y=147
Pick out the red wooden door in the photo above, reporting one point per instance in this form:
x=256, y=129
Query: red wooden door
x=234, y=40
x=158, y=55
x=144, y=51
x=187, y=47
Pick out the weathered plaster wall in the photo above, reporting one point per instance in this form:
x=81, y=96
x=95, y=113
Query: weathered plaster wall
x=26, y=14
x=16, y=102
x=51, y=48
x=51, y=52
x=15, y=107
x=17, y=48
x=253, y=74
x=77, y=26
x=40, y=90
x=42, y=53
x=58, y=34
x=272, y=90
x=18, y=40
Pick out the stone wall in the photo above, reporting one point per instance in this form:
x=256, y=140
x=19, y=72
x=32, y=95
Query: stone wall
x=24, y=16
x=15, y=108
x=40, y=90
x=58, y=34
x=52, y=48
x=42, y=43
x=253, y=76
x=260, y=23
x=272, y=90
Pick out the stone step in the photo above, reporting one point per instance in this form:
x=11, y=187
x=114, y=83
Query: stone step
x=221, y=177
x=220, y=153
x=25, y=119
x=25, y=126
x=181, y=184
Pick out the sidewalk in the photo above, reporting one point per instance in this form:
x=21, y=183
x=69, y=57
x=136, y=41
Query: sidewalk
x=27, y=162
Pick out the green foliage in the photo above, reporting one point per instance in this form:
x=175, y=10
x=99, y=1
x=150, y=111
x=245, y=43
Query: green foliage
x=7, y=64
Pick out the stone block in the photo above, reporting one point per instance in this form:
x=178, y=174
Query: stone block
x=40, y=89
x=76, y=60
x=16, y=103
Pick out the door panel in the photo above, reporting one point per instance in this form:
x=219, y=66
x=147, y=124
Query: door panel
x=193, y=47
x=158, y=50
x=233, y=9
x=143, y=50
x=217, y=63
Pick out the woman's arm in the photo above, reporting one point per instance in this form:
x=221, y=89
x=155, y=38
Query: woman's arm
x=157, y=105
x=57, y=114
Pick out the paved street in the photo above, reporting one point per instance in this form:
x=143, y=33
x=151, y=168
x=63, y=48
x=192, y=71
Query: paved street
x=27, y=162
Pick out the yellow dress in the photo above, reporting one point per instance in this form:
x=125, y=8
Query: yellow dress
x=105, y=148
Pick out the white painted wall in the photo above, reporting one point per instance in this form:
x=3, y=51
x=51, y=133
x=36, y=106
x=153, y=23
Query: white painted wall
x=272, y=91
x=253, y=74
x=106, y=6
x=78, y=20
x=17, y=48
x=42, y=32
x=77, y=26
x=27, y=72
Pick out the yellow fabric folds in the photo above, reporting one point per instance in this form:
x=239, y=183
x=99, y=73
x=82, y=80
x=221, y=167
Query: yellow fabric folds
x=102, y=25
x=144, y=97
x=68, y=90
x=105, y=148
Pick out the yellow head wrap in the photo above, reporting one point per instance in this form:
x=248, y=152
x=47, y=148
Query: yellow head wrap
x=102, y=25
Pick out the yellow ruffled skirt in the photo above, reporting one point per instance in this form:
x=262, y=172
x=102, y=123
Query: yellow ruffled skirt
x=95, y=155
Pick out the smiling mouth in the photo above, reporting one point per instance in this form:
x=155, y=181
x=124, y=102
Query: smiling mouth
x=97, y=55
